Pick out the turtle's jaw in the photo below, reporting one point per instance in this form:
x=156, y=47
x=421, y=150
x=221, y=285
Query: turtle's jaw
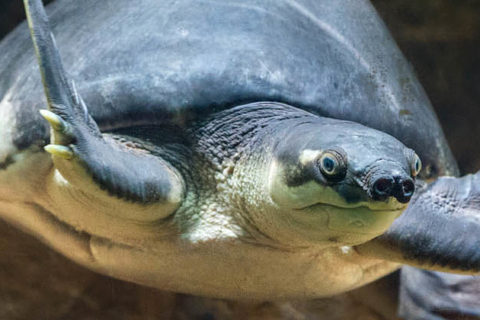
x=356, y=223
x=350, y=223
x=327, y=225
x=382, y=206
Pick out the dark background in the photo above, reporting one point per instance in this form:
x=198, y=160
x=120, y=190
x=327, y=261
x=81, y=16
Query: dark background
x=441, y=38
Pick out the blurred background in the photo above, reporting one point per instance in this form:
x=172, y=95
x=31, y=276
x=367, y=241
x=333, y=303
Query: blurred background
x=441, y=38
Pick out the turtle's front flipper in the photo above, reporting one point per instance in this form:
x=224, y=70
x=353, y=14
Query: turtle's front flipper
x=440, y=230
x=90, y=161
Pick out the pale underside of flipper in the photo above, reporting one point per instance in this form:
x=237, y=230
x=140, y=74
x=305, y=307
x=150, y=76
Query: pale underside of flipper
x=440, y=230
x=84, y=156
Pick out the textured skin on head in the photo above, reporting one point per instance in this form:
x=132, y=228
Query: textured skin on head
x=236, y=154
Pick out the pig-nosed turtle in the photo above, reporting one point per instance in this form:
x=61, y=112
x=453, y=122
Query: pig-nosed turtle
x=259, y=149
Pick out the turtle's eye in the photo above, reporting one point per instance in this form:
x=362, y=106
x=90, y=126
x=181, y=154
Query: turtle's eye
x=333, y=165
x=416, y=165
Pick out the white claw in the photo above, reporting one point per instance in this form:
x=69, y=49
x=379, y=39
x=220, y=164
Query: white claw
x=59, y=151
x=55, y=120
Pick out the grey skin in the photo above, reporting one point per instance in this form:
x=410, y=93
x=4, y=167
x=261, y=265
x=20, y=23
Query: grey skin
x=169, y=170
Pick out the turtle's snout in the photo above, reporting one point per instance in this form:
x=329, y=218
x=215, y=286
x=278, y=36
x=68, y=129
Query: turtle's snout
x=400, y=187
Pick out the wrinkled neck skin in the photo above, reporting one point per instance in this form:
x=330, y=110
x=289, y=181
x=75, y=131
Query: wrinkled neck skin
x=228, y=193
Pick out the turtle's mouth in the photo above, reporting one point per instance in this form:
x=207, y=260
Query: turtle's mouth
x=391, y=205
x=357, y=218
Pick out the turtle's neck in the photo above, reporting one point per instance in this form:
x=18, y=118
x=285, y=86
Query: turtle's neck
x=232, y=153
x=234, y=133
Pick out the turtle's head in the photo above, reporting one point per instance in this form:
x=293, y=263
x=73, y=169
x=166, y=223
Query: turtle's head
x=341, y=182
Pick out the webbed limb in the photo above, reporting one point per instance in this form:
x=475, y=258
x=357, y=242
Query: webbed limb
x=90, y=161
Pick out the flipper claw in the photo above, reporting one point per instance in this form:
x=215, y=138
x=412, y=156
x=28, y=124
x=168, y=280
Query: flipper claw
x=60, y=151
x=57, y=123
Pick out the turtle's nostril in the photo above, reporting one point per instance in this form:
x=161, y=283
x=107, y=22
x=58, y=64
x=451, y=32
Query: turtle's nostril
x=382, y=188
x=408, y=187
x=400, y=187
x=403, y=190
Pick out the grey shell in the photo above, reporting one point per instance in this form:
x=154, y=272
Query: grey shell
x=149, y=61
